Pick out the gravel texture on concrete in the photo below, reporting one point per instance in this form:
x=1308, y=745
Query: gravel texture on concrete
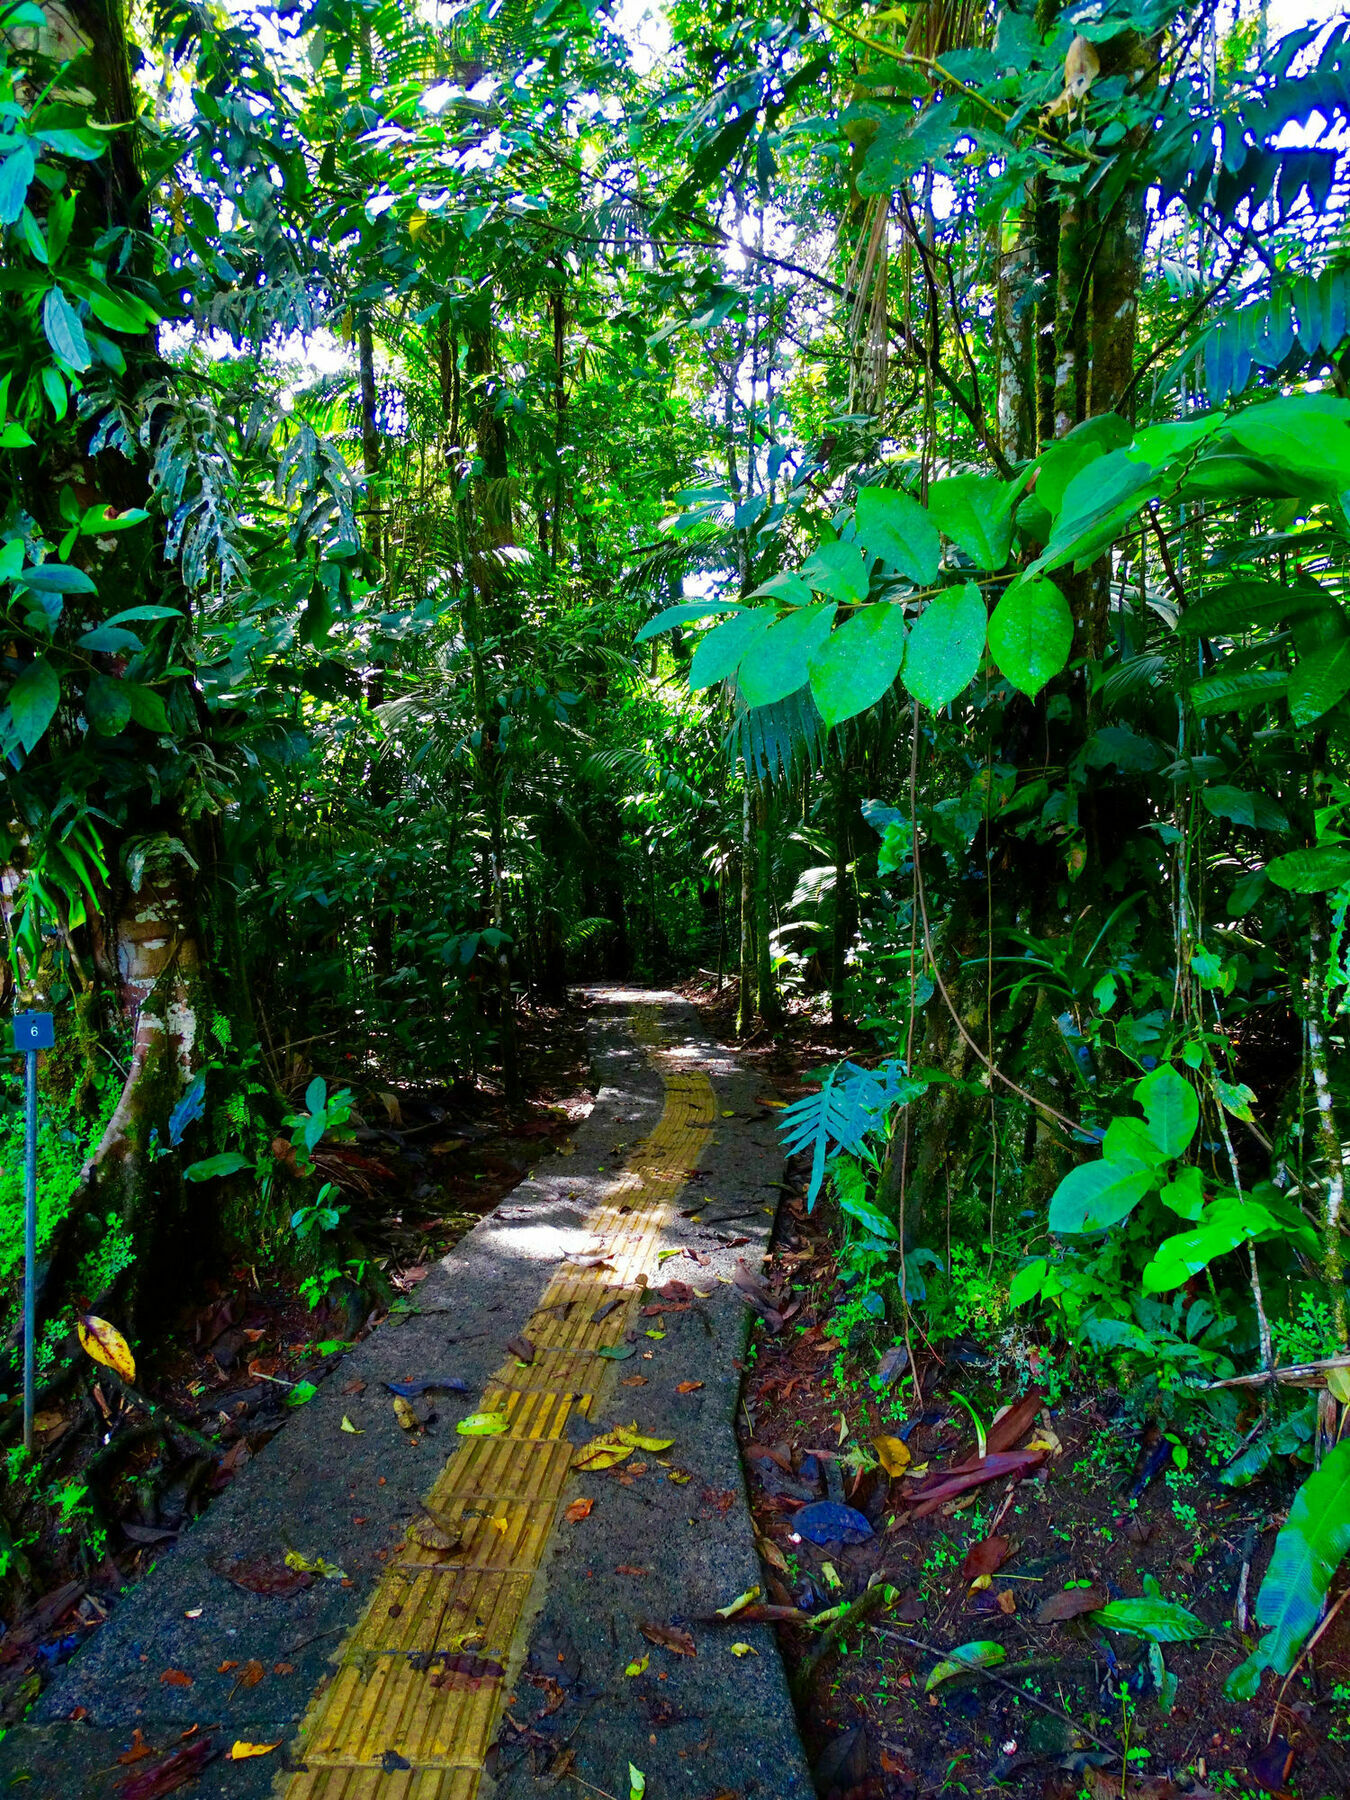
x=717, y=1723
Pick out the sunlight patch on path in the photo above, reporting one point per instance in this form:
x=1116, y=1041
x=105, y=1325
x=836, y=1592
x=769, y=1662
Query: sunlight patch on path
x=417, y=1695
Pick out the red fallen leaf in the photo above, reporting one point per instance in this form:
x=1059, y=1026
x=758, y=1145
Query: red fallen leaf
x=994, y=1468
x=225, y=1667
x=674, y=1290
x=630, y=1569
x=1069, y=1603
x=579, y=1509
x=266, y=1575
x=670, y=1306
x=983, y=1558
x=669, y=1637
x=175, y=1678
x=1004, y=1433
x=77, y=1713
x=167, y=1777
x=283, y=1668
x=136, y=1750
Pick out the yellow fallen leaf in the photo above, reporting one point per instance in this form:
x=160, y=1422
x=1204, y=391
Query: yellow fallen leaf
x=484, y=1424
x=728, y=1115
x=980, y=1583
x=638, y=1666
x=240, y=1749
x=1338, y=1380
x=656, y=1334
x=355, y=1430
x=744, y=1650
x=679, y=1477
x=105, y=1343
x=893, y=1454
x=503, y=1524
x=1045, y=1439
x=629, y=1434
x=831, y=1574
x=739, y=1604
x=314, y=1565
x=405, y=1415
x=602, y=1452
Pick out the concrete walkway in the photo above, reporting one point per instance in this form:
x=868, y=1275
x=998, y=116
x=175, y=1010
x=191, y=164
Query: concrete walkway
x=488, y=1596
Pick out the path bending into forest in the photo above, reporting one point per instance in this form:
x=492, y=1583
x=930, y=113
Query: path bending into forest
x=482, y=1648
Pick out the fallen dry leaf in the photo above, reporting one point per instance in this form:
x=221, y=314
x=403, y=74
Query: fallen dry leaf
x=1007, y=1601
x=405, y=1415
x=241, y=1749
x=266, y=1575
x=579, y=1509
x=687, y=1387
x=250, y=1675
x=892, y=1453
x=1069, y=1603
x=355, y=1387
x=137, y=1749
x=175, y=1678
x=168, y=1776
x=630, y=1569
x=521, y=1348
x=983, y=1558
x=669, y=1637
x=106, y=1345
x=634, y=1381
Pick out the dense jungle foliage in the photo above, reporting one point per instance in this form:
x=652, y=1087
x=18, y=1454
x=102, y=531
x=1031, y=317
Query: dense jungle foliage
x=857, y=502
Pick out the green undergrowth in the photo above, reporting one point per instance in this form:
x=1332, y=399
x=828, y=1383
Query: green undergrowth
x=66, y=1138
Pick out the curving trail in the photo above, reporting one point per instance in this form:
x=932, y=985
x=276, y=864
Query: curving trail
x=483, y=1652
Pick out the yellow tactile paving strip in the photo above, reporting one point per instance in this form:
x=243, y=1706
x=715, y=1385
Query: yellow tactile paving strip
x=414, y=1703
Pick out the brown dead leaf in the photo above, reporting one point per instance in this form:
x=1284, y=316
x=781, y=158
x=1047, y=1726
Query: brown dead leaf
x=687, y=1387
x=521, y=1348
x=175, y=1678
x=1007, y=1601
x=136, y=1749
x=250, y=1675
x=1005, y=1431
x=630, y=1569
x=669, y=1637
x=225, y=1667
x=168, y=1776
x=579, y=1509
x=355, y=1387
x=266, y=1575
x=634, y=1381
x=283, y=1668
x=1069, y=1603
x=983, y=1558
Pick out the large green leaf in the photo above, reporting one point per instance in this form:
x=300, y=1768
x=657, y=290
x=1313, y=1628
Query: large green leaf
x=1319, y=681
x=1097, y=1195
x=858, y=663
x=838, y=570
x=1231, y=693
x=107, y=704
x=1162, y=1621
x=16, y=174
x=719, y=651
x=33, y=700
x=64, y=331
x=1239, y=605
x=945, y=645
x=1222, y=1229
x=897, y=529
x=1244, y=808
x=664, y=621
x=1315, y=871
x=1307, y=1554
x=1311, y=442
x=1031, y=634
x=976, y=512
x=775, y=664
x=984, y=1653
x=1171, y=1108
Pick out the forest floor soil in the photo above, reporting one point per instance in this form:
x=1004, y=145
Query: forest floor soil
x=382, y=1604
x=1068, y=1711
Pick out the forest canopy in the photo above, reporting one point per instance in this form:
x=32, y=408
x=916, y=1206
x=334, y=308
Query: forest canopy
x=856, y=503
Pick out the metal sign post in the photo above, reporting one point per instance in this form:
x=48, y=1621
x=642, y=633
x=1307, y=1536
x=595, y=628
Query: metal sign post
x=32, y=1032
